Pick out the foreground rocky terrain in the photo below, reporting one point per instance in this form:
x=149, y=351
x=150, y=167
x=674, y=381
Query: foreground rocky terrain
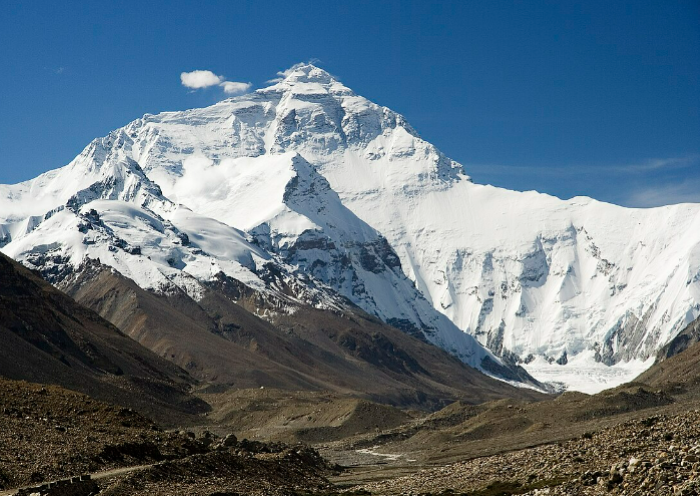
x=659, y=455
x=48, y=434
x=638, y=439
x=255, y=470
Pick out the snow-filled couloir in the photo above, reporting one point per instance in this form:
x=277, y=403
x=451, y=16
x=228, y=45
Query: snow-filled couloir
x=345, y=191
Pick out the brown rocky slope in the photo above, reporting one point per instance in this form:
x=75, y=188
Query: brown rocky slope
x=48, y=338
x=219, y=339
x=50, y=434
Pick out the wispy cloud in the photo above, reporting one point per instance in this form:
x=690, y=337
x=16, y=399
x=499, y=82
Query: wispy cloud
x=649, y=165
x=683, y=191
x=287, y=72
x=283, y=74
x=201, y=176
x=664, y=163
x=199, y=79
x=55, y=70
x=648, y=183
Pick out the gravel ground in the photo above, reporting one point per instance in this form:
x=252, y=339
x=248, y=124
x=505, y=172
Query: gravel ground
x=234, y=471
x=658, y=455
x=48, y=433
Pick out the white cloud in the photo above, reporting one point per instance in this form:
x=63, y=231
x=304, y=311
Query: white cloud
x=682, y=191
x=640, y=168
x=648, y=183
x=287, y=72
x=200, y=79
x=204, y=79
x=201, y=176
x=234, y=88
x=661, y=163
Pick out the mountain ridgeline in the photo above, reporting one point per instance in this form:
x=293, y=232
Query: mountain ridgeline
x=306, y=208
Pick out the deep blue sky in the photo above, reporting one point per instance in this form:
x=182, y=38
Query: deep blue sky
x=597, y=98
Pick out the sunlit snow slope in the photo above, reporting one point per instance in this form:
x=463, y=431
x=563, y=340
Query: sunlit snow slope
x=344, y=190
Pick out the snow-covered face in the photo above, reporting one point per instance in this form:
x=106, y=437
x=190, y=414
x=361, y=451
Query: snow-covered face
x=341, y=189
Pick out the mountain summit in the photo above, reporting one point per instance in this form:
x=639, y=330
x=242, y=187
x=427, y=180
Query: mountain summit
x=347, y=201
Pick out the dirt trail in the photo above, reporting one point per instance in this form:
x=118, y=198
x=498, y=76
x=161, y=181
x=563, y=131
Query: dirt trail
x=95, y=476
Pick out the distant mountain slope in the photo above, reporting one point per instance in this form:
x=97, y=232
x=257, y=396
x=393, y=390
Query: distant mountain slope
x=122, y=218
x=683, y=340
x=337, y=192
x=48, y=338
x=218, y=340
x=677, y=367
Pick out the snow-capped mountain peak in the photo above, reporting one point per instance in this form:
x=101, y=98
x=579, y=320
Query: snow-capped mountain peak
x=309, y=174
x=307, y=79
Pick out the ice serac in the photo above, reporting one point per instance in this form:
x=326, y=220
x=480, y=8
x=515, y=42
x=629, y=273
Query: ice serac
x=344, y=192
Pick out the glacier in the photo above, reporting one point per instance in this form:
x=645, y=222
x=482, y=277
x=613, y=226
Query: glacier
x=344, y=192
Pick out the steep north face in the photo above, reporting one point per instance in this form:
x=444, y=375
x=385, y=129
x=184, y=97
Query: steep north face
x=342, y=194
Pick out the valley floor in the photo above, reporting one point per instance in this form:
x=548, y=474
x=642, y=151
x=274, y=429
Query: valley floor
x=657, y=455
x=631, y=441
